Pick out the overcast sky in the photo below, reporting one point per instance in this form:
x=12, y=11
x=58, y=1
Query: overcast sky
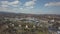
x=31, y=6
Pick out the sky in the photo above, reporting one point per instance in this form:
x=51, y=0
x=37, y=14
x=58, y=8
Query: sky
x=31, y=6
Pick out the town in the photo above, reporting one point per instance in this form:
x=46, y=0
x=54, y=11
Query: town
x=29, y=24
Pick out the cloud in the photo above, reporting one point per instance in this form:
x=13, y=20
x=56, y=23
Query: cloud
x=9, y=6
x=7, y=3
x=4, y=3
x=17, y=6
x=14, y=3
x=31, y=7
x=30, y=4
x=52, y=4
x=34, y=0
